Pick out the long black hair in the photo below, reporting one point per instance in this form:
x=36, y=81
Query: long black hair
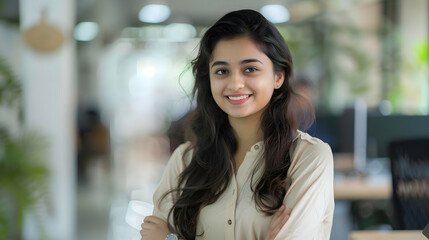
x=213, y=143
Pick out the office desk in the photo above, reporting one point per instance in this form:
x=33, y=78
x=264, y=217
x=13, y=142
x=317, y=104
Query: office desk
x=360, y=188
x=387, y=235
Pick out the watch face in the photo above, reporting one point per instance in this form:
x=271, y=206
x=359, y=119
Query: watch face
x=171, y=237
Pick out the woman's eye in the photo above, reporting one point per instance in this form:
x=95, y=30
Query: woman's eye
x=249, y=70
x=220, y=71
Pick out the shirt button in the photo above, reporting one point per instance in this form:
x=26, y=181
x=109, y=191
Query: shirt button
x=256, y=147
x=229, y=222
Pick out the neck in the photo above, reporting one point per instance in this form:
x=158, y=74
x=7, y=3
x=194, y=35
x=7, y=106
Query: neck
x=247, y=131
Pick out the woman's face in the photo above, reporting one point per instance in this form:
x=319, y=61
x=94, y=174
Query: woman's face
x=242, y=78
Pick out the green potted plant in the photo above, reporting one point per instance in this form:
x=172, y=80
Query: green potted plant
x=23, y=176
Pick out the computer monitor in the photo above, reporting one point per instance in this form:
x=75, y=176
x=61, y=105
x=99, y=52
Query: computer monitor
x=336, y=130
x=381, y=130
x=345, y=133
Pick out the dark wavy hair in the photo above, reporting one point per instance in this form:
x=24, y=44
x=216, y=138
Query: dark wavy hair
x=212, y=139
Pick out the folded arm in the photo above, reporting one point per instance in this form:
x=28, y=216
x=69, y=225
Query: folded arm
x=310, y=195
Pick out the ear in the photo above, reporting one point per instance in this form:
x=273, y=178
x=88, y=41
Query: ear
x=279, y=79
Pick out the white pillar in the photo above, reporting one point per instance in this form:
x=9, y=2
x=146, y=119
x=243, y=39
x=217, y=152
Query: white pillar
x=49, y=106
x=360, y=132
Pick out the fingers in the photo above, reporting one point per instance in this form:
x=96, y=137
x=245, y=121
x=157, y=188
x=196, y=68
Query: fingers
x=154, y=228
x=280, y=215
x=279, y=219
x=153, y=219
x=287, y=212
x=280, y=210
x=142, y=233
x=149, y=223
x=277, y=214
x=283, y=212
x=146, y=226
x=286, y=216
x=283, y=215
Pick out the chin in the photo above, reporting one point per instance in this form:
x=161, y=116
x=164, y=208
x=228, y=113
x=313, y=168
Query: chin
x=237, y=115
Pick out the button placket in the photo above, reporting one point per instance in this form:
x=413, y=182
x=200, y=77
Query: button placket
x=230, y=211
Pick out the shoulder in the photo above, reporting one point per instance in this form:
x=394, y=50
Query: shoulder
x=306, y=144
x=180, y=158
x=182, y=148
x=308, y=151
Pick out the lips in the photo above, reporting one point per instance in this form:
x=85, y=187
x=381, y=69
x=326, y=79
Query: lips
x=238, y=99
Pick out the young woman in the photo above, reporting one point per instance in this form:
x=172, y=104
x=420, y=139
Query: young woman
x=247, y=164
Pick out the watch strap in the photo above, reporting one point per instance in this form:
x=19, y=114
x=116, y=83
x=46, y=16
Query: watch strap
x=172, y=236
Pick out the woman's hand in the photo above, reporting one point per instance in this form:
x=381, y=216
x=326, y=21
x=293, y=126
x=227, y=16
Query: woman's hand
x=154, y=228
x=279, y=219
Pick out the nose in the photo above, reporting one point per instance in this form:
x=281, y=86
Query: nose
x=236, y=81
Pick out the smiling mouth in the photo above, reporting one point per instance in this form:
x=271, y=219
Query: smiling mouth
x=237, y=98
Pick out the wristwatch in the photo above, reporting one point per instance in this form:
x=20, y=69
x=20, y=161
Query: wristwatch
x=172, y=237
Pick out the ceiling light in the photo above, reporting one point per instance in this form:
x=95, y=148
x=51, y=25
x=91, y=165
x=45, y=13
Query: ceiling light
x=154, y=13
x=85, y=31
x=275, y=13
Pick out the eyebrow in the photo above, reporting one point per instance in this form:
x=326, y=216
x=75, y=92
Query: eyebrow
x=217, y=63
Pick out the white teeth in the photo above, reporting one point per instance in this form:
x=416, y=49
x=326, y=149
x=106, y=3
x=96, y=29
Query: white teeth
x=238, y=98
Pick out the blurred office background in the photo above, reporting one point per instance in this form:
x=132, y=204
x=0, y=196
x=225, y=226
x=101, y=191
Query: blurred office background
x=93, y=94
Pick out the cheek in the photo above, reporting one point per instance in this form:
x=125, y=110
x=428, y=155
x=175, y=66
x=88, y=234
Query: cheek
x=264, y=87
x=215, y=91
x=265, y=91
x=215, y=87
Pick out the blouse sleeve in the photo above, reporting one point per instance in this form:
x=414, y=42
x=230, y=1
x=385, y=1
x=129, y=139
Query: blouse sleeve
x=168, y=182
x=311, y=194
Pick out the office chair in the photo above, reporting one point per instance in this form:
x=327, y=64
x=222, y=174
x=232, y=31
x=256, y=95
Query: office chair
x=410, y=178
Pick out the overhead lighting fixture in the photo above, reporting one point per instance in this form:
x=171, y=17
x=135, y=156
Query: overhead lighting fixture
x=275, y=13
x=154, y=13
x=85, y=31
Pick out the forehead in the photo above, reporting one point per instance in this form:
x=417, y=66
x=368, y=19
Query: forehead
x=237, y=49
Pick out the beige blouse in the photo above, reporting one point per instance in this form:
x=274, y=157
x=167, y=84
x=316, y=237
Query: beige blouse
x=234, y=214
